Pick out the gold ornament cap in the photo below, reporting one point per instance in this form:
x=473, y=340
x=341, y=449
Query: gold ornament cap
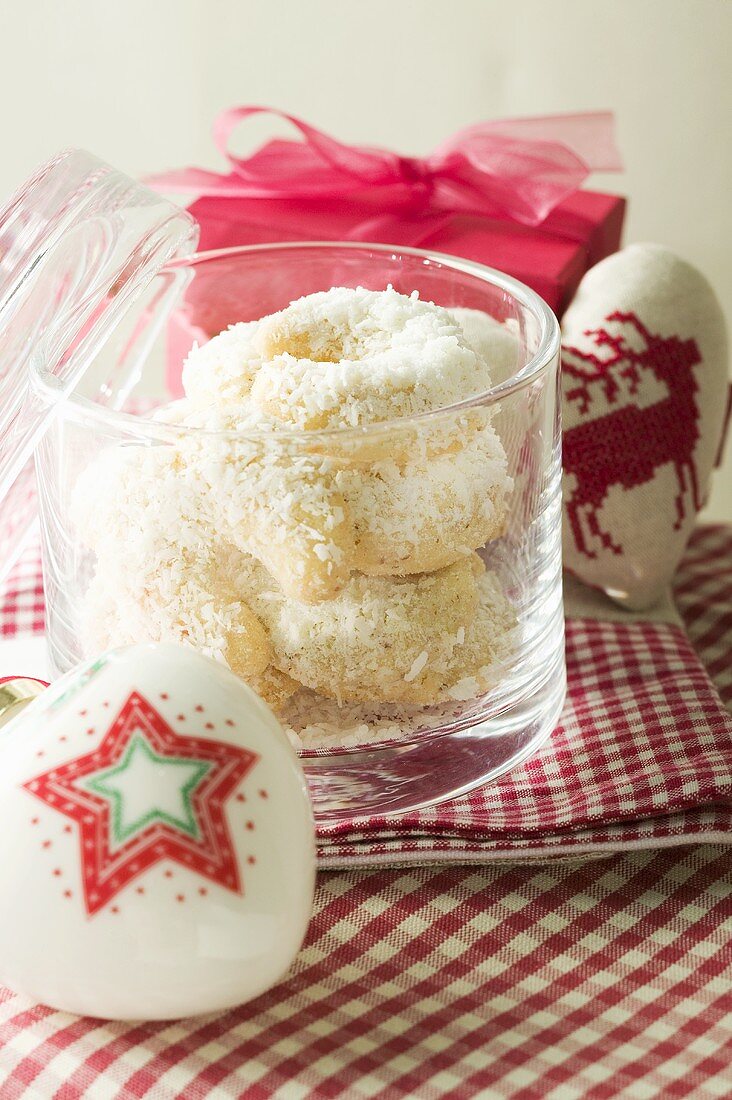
x=15, y=694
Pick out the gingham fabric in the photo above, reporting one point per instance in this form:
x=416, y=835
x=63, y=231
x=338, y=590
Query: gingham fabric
x=568, y=980
x=561, y=982
x=641, y=758
x=704, y=596
x=22, y=607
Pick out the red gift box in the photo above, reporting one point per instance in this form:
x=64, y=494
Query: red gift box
x=503, y=193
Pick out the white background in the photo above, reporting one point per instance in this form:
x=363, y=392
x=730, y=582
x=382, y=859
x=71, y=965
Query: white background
x=139, y=81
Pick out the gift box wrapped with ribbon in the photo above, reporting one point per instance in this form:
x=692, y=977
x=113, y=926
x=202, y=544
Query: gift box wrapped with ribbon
x=504, y=193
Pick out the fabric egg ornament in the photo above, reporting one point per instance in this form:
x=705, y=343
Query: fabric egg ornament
x=157, y=853
x=645, y=399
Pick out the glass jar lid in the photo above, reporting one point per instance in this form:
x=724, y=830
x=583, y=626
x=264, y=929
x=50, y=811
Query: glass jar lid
x=79, y=243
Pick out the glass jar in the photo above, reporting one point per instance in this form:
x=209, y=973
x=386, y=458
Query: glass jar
x=394, y=591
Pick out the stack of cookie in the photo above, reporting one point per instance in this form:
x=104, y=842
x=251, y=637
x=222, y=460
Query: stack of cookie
x=313, y=516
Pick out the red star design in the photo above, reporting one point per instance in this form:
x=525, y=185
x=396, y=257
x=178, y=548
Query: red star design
x=107, y=869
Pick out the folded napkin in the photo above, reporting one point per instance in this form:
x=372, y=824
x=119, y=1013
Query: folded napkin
x=703, y=593
x=642, y=757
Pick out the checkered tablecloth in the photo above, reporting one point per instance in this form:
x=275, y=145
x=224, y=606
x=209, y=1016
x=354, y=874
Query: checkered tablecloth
x=573, y=979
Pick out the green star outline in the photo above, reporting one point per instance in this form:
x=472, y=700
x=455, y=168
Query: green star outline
x=97, y=784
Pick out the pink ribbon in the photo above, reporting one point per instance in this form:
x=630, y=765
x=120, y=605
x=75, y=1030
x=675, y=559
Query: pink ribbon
x=520, y=168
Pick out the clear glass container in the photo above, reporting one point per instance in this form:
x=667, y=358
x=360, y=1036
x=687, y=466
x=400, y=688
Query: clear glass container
x=394, y=591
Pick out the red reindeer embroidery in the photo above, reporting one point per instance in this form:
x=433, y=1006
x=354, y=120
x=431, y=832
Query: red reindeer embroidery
x=627, y=445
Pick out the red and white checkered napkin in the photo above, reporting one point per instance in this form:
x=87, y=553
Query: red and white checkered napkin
x=703, y=593
x=642, y=757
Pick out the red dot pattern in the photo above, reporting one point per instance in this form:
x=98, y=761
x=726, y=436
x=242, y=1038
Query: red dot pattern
x=57, y=872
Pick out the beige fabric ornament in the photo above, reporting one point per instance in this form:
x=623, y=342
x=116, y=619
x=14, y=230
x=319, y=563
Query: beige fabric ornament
x=645, y=397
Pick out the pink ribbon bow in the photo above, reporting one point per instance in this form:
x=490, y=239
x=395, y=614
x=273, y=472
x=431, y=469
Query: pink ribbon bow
x=519, y=168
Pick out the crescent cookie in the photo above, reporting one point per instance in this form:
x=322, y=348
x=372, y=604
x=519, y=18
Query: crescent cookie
x=349, y=358
x=427, y=513
x=269, y=498
x=157, y=574
x=383, y=638
x=312, y=520
x=495, y=341
x=488, y=643
x=222, y=370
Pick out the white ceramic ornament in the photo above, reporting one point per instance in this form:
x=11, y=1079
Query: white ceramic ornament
x=157, y=854
x=644, y=387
